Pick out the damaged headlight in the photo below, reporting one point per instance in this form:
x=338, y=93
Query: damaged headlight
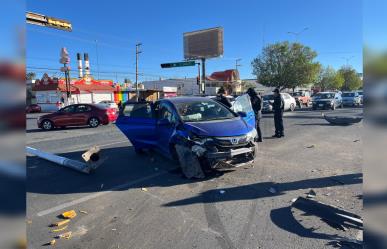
x=251, y=135
x=199, y=140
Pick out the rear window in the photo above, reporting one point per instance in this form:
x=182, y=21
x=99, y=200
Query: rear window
x=137, y=110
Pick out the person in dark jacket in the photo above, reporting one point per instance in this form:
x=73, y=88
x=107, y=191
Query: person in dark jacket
x=223, y=99
x=256, y=102
x=278, y=108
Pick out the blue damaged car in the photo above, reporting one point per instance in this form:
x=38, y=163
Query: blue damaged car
x=196, y=131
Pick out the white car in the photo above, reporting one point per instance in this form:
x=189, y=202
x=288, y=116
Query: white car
x=289, y=102
x=108, y=104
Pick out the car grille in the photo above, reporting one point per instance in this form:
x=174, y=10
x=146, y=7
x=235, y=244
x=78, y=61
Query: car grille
x=235, y=141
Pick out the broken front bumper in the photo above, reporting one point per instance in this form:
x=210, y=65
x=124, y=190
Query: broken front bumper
x=229, y=154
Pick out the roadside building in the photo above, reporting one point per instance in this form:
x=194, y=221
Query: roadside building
x=50, y=91
x=228, y=79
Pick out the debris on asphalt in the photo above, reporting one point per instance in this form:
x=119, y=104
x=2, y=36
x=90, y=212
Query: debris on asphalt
x=144, y=189
x=83, y=212
x=222, y=191
x=310, y=146
x=311, y=194
x=189, y=162
x=272, y=190
x=114, y=229
x=59, y=229
x=69, y=214
x=342, y=120
x=51, y=243
x=357, y=140
x=333, y=216
x=60, y=223
x=64, y=235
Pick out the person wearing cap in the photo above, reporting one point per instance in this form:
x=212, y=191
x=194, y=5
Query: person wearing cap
x=278, y=108
x=223, y=99
x=256, y=102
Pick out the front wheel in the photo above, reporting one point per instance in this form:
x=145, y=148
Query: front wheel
x=47, y=125
x=93, y=122
x=333, y=107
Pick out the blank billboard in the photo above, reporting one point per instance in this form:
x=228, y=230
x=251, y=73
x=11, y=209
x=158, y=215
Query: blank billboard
x=207, y=43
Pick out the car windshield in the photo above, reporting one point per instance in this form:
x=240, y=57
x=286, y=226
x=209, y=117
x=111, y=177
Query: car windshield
x=268, y=97
x=324, y=96
x=200, y=111
x=360, y=93
x=348, y=95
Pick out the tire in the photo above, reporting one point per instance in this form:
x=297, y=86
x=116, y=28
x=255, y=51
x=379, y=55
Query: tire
x=333, y=107
x=47, y=125
x=93, y=122
x=292, y=107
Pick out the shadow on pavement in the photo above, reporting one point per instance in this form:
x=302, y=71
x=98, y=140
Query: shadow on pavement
x=260, y=190
x=60, y=129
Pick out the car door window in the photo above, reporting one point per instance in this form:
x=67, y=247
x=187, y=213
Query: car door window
x=137, y=110
x=68, y=109
x=82, y=108
x=166, y=112
x=242, y=104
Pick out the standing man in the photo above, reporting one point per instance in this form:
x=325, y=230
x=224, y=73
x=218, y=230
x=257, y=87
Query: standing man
x=278, y=108
x=256, y=102
x=223, y=99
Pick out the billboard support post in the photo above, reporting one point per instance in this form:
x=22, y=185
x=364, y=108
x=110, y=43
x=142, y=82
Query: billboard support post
x=203, y=81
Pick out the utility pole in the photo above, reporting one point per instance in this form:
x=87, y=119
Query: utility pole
x=137, y=53
x=96, y=49
x=347, y=59
x=237, y=64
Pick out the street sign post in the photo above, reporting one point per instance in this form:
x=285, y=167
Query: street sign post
x=178, y=64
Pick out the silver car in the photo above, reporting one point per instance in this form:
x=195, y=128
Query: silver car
x=351, y=98
x=289, y=102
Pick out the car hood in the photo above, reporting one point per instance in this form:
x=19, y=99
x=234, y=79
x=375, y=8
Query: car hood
x=219, y=128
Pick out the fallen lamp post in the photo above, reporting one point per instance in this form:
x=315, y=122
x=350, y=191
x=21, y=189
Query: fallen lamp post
x=91, y=157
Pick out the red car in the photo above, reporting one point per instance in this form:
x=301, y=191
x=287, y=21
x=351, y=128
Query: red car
x=33, y=108
x=78, y=115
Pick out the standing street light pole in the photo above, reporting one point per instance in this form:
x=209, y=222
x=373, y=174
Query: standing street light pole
x=137, y=53
x=96, y=50
x=297, y=34
x=237, y=64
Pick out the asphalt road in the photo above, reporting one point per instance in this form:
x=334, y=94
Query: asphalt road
x=178, y=213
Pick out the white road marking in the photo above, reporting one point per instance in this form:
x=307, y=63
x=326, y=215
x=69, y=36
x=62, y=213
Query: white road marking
x=98, y=194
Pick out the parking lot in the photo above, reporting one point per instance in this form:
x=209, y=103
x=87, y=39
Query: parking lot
x=135, y=201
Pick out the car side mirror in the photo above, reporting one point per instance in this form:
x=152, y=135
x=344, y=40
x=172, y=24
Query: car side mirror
x=242, y=114
x=164, y=122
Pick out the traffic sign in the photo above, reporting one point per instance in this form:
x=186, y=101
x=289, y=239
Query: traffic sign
x=178, y=64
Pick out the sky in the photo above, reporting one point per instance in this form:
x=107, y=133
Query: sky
x=109, y=30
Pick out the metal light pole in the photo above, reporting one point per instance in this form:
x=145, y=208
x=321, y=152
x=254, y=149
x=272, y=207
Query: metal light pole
x=297, y=34
x=137, y=53
x=203, y=83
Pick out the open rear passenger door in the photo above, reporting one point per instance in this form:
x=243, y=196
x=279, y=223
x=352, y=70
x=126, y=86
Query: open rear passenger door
x=137, y=122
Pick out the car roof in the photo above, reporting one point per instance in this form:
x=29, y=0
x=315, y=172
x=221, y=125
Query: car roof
x=176, y=100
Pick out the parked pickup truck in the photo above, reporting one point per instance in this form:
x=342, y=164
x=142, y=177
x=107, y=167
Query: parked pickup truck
x=302, y=98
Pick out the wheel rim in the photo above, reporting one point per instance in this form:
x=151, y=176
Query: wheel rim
x=93, y=122
x=47, y=125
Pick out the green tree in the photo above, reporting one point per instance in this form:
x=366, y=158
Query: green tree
x=330, y=79
x=286, y=65
x=30, y=76
x=352, y=81
x=247, y=84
